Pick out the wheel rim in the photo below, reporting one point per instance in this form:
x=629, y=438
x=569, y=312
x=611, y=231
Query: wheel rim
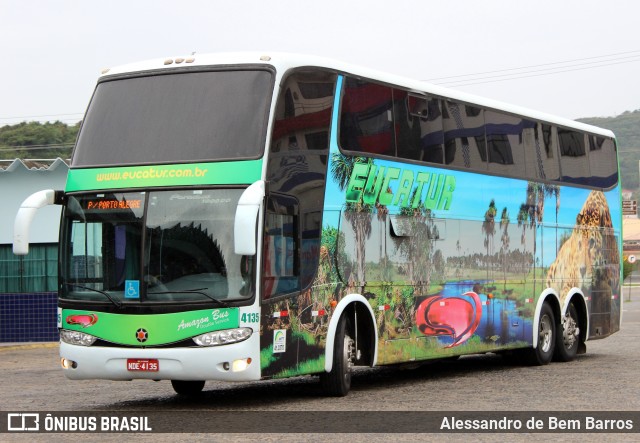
x=570, y=330
x=545, y=334
x=349, y=356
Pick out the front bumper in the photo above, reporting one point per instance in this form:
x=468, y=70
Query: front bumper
x=197, y=363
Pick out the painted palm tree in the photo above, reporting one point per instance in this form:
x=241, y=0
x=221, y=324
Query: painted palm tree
x=418, y=246
x=504, y=226
x=357, y=213
x=554, y=191
x=381, y=214
x=523, y=222
x=536, y=195
x=535, y=204
x=489, y=229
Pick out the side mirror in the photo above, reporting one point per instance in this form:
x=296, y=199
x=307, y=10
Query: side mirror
x=244, y=228
x=25, y=215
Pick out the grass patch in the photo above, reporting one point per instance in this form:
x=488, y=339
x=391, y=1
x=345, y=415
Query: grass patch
x=306, y=367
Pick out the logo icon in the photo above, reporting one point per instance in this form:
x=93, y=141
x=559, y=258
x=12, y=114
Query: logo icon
x=457, y=317
x=279, y=340
x=23, y=422
x=142, y=335
x=84, y=320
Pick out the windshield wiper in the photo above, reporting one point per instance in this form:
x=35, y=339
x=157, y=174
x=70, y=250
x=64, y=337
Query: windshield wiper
x=117, y=304
x=199, y=291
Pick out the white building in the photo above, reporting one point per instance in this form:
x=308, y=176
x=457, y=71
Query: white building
x=37, y=271
x=28, y=284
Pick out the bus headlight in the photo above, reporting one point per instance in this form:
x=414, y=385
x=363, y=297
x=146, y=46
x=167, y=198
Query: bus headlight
x=223, y=337
x=76, y=338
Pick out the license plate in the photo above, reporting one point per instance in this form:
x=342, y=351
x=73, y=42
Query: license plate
x=143, y=365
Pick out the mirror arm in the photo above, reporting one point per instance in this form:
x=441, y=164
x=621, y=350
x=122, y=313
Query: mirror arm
x=27, y=212
x=244, y=229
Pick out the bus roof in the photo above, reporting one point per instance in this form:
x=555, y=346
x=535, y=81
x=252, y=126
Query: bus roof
x=285, y=61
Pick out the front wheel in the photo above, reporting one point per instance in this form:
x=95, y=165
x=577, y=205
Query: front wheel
x=338, y=382
x=543, y=352
x=568, y=339
x=187, y=387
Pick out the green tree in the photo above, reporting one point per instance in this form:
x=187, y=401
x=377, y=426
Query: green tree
x=37, y=140
x=489, y=230
x=504, y=238
x=358, y=214
x=523, y=222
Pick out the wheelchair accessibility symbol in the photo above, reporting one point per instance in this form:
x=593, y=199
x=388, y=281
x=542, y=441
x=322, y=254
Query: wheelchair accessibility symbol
x=131, y=289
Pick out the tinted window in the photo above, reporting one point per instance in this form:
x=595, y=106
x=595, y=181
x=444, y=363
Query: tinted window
x=296, y=170
x=603, y=162
x=281, y=241
x=506, y=136
x=541, y=152
x=418, y=121
x=186, y=117
x=183, y=238
x=573, y=157
x=377, y=119
x=366, y=118
x=464, y=136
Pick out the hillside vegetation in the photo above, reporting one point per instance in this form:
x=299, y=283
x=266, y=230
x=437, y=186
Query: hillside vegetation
x=37, y=140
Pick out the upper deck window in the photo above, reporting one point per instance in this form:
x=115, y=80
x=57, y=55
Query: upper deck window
x=378, y=120
x=176, y=118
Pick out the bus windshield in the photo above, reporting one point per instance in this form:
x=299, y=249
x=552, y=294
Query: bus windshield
x=187, y=243
x=176, y=118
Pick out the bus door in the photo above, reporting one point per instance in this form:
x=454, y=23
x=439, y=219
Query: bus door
x=280, y=284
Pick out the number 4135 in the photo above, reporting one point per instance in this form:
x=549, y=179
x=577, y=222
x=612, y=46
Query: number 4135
x=250, y=317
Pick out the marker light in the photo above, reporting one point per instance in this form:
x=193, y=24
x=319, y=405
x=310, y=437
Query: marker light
x=240, y=365
x=224, y=337
x=68, y=364
x=76, y=338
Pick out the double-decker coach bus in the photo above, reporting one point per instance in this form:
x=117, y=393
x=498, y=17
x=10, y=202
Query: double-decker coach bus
x=243, y=217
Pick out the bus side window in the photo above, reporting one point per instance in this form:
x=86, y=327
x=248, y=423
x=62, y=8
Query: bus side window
x=505, y=143
x=541, y=152
x=418, y=122
x=281, y=268
x=602, y=160
x=366, y=118
x=464, y=136
x=574, y=163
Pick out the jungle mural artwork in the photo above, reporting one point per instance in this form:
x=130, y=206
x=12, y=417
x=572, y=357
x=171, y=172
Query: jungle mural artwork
x=451, y=262
x=441, y=281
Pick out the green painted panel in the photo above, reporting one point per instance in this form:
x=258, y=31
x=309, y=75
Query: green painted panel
x=222, y=173
x=159, y=328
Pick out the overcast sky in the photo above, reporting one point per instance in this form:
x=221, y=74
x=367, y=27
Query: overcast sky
x=578, y=58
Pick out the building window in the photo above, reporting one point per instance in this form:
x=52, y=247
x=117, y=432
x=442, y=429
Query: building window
x=34, y=272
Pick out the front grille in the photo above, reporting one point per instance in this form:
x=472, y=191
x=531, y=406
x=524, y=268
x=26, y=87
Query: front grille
x=187, y=343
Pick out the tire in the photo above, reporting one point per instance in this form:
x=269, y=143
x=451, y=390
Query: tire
x=568, y=337
x=543, y=352
x=187, y=387
x=338, y=382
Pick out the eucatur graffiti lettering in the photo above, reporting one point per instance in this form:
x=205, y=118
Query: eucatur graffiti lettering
x=371, y=184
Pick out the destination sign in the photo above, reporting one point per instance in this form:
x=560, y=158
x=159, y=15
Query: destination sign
x=106, y=204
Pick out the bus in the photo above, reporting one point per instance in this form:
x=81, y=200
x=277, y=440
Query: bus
x=242, y=217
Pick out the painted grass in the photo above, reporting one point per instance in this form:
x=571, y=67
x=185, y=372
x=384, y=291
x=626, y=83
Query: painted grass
x=304, y=368
x=399, y=351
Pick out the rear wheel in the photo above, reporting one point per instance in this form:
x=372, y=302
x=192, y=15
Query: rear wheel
x=568, y=339
x=543, y=352
x=187, y=387
x=338, y=382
